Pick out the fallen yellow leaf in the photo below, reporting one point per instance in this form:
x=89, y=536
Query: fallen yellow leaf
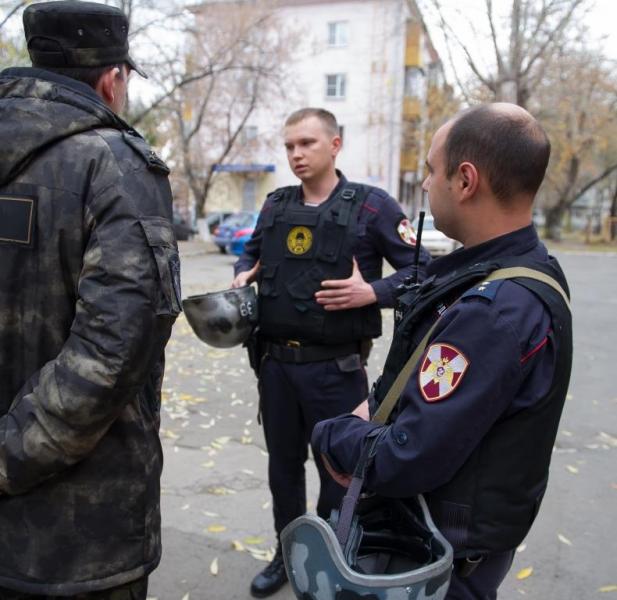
x=237, y=546
x=563, y=539
x=220, y=491
x=608, y=588
x=524, y=573
x=214, y=567
x=216, y=528
x=572, y=469
x=253, y=540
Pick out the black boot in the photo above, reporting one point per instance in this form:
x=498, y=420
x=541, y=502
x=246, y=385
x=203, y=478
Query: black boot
x=271, y=579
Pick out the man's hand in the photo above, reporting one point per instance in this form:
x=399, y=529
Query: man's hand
x=342, y=294
x=341, y=479
x=246, y=277
x=362, y=411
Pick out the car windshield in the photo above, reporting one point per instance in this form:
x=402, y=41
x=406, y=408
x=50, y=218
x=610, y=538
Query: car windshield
x=239, y=220
x=429, y=224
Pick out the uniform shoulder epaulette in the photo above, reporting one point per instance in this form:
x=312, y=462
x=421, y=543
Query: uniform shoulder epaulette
x=139, y=145
x=484, y=289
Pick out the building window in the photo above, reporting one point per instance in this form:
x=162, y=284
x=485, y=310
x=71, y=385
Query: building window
x=338, y=33
x=336, y=85
x=249, y=133
x=415, y=83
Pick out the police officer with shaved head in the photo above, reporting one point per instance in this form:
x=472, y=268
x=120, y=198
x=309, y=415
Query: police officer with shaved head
x=477, y=374
x=89, y=290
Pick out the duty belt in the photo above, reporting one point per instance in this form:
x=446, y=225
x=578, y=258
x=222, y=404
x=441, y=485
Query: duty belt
x=294, y=351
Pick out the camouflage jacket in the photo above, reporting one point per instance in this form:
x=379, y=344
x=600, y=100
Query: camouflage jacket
x=89, y=290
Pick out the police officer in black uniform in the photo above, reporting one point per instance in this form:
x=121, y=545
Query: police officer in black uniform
x=477, y=414
x=317, y=252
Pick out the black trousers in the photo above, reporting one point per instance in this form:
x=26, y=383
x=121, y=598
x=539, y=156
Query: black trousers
x=482, y=584
x=293, y=398
x=136, y=590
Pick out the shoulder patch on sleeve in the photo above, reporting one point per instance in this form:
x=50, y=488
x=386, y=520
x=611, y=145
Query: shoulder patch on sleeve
x=137, y=143
x=442, y=371
x=406, y=232
x=484, y=289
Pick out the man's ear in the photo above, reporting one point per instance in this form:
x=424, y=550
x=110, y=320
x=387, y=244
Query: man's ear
x=336, y=145
x=105, y=86
x=468, y=179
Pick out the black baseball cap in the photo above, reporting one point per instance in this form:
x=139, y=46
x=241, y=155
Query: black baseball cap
x=71, y=33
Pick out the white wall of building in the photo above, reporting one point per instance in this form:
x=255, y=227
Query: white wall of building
x=373, y=63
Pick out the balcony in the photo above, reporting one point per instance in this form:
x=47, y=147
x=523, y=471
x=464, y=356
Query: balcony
x=411, y=109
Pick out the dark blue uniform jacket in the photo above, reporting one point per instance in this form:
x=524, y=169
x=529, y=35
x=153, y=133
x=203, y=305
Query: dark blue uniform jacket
x=501, y=331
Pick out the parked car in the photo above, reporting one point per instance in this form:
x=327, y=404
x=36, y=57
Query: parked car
x=214, y=219
x=182, y=229
x=242, y=236
x=436, y=242
x=234, y=231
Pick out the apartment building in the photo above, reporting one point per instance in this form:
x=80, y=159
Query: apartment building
x=371, y=63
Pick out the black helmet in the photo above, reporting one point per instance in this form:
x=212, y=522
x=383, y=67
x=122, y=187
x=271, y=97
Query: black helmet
x=222, y=319
x=394, y=552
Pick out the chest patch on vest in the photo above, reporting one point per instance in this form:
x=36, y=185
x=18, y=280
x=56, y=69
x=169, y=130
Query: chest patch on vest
x=442, y=371
x=407, y=233
x=17, y=217
x=299, y=240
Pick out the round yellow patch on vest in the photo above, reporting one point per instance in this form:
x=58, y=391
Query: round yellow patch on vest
x=299, y=240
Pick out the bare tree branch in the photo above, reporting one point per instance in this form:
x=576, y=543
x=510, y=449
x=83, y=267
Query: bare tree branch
x=11, y=12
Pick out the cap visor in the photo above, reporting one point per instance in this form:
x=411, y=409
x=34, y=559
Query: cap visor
x=134, y=66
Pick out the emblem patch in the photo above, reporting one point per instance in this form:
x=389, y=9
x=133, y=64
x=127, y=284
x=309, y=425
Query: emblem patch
x=442, y=371
x=299, y=240
x=406, y=231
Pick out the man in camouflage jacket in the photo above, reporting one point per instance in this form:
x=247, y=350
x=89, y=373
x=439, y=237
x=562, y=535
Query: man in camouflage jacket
x=89, y=290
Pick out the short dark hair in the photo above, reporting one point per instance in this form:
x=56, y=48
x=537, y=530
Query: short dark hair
x=511, y=150
x=325, y=116
x=88, y=75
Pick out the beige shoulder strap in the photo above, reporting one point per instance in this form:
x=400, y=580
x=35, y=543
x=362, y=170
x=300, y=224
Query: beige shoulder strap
x=385, y=408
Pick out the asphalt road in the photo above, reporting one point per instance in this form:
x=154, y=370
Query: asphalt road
x=216, y=506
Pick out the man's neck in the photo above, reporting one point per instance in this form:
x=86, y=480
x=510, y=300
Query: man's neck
x=316, y=192
x=493, y=227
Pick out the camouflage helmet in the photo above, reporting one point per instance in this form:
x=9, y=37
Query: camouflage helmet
x=395, y=553
x=222, y=319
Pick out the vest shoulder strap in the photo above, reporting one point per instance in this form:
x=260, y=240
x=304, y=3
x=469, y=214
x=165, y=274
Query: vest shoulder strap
x=279, y=197
x=391, y=398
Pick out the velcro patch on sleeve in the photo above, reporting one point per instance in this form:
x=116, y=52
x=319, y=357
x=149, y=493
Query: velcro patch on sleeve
x=17, y=220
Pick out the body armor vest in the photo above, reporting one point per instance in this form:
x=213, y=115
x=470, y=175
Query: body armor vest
x=491, y=502
x=301, y=247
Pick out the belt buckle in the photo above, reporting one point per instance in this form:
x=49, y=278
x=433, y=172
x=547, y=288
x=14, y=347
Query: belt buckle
x=292, y=343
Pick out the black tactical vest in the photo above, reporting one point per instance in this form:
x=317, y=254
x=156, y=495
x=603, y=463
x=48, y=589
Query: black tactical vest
x=492, y=500
x=301, y=247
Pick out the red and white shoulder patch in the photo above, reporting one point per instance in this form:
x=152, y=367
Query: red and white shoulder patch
x=442, y=371
x=406, y=231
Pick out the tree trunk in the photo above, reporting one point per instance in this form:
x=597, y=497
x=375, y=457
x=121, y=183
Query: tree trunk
x=613, y=227
x=200, y=201
x=554, y=221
